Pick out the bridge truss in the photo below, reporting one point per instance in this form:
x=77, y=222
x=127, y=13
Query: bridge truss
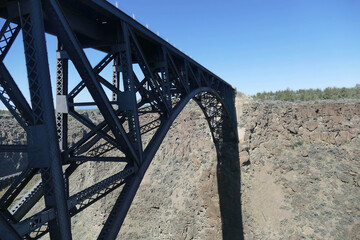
x=171, y=79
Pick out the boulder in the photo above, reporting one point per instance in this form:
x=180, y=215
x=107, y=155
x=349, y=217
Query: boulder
x=315, y=136
x=293, y=128
x=244, y=158
x=311, y=125
x=343, y=137
x=331, y=137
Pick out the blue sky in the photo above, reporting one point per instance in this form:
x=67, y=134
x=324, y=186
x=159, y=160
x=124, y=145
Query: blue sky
x=255, y=45
x=263, y=45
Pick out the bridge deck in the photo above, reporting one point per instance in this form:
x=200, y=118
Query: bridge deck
x=94, y=21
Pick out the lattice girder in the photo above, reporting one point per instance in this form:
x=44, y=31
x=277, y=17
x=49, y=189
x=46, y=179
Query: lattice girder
x=134, y=108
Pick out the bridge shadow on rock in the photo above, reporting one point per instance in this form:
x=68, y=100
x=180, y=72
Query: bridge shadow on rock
x=221, y=117
x=228, y=176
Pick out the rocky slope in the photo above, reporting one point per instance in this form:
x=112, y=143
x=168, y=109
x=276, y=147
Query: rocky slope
x=178, y=197
x=300, y=176
x=300, y=170
x=11, y=133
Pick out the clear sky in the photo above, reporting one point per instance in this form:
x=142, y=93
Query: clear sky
x=255, y=45
x=263, y=45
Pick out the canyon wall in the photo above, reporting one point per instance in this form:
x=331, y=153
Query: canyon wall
x=300, y=165
x=300, y=170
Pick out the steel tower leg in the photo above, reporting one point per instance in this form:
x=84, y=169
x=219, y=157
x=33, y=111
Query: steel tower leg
x=62, y=82
x=130, y=97
x=62, y=63
x=6, y=230
x=44, y=152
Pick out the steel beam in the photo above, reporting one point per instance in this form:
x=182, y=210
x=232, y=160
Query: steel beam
x=48, y=156
x=177, y=74
x=129, y=87
x=13, y=148
x=75, y=203
x=165, y=76
x=148, y=73
x=97, y=69
x=62, y=82
x=8, y=35
x=16, y=102
x=194, y=77
x=77, y=55
x=91, y=138
x=171, y=80
x=6, y=230
x=23, y=206
x=113, y=11
x=97, y=159
x=16, y=187
x=7, y=180
x=101, y=133
x=122, y=205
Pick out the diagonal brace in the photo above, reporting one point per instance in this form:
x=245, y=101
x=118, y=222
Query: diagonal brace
x=82, y=64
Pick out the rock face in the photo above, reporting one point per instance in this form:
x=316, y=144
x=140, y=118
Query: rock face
x=300, y=165
x=300, y=179
x=178, y=197
x=13, y=134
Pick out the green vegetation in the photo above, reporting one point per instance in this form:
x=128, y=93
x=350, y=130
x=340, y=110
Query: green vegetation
x=297, y=144
x=311, y=94
x=4, y=112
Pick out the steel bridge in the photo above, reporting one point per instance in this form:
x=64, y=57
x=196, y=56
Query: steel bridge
x=170, y=80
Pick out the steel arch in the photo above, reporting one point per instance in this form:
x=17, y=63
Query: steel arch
x=154, y=145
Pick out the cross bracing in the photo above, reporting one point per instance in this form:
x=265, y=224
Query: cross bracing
x=170, y=80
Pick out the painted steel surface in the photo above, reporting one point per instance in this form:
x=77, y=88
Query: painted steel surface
x=171, y=80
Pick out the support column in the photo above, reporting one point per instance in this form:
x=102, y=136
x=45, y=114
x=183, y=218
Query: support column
x=62, y=79
x=116, y=75
x=62, y=82
x=129, y=91
x=43, y=149
x=165, y=77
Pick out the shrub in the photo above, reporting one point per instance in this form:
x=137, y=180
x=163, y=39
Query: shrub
x=311, y=94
